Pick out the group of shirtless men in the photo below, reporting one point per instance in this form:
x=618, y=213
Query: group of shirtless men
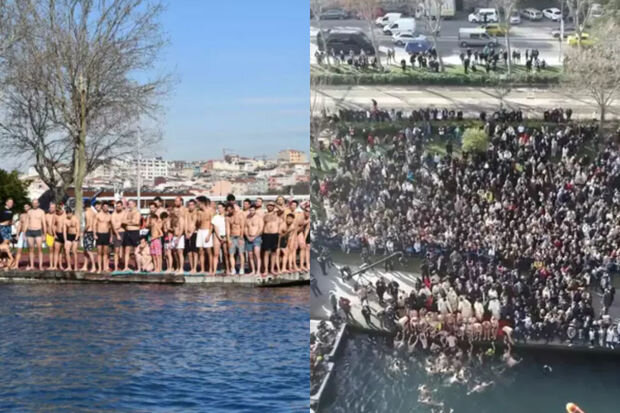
x=268, y=240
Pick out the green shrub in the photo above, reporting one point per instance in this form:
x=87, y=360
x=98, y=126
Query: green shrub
x=452, y=76
x=475, y=140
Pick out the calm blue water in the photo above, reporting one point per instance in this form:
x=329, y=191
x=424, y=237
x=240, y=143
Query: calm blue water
x=128, y=348
x=366, y=381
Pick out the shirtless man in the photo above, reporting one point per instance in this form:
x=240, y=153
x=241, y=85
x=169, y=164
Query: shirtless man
x=35, y=228
x=118, y=232
x=304, y=253
x=300, y=243
x=49, y=235
x=270, y=238
x=219, y=237
x=178, y=223
x=71, y=235
x=288, y=233
x=205, y=233
x=131, y=239
x=156, y=229
x=58, y=225
x=89, y=236
x=235, y=226
x=21, y=235
x=191, y=236
x=253, y=230
x=103, y=230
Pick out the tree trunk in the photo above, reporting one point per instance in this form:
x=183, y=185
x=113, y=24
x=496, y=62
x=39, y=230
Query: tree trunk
x=80, y=160
x=441, y=67
x=601, y=120
x=327, y=55
x=374, y=39
x=509, y=60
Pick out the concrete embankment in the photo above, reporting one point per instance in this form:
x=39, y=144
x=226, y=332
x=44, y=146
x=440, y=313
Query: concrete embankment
x=282, y=280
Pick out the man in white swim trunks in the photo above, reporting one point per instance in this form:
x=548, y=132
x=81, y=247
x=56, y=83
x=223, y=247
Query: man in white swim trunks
x=204, y=241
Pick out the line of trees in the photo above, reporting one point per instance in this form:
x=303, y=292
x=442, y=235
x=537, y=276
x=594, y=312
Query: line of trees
x=77, y=83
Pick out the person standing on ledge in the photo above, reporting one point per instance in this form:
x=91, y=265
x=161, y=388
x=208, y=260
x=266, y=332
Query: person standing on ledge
x=6, y=220
x=21, y=235
x=270, y=239
x=89, y=237
x=35, y=228
x=118, y=232
x=132, y=233
x=253, y=240
x=71, y=235
x=58, y=224
x=103, y=229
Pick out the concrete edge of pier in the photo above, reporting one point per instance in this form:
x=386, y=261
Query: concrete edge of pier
x=316, y=399
x=281, y=280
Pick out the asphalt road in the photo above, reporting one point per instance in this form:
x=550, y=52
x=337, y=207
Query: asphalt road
x=471, y=100
x=527, y=35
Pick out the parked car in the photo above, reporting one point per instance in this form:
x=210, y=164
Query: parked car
x=406, y=24
x=531, y=14
x=334, y=14
x=514, y=17
x=401, y=39
x=568, y=31
x=475, y=37
x=346, y=40
x=586, y=40
x=418, y=45
x=495, y=29
x=596, y=10
x=553, y=14
x=387, y=19
x=483, y=16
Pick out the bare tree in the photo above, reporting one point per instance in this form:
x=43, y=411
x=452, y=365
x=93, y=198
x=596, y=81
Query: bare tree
x=507, y=7
x=432, y=18
x=95, y=61
x=317, y=7
x=595, y=70
x=367, y=9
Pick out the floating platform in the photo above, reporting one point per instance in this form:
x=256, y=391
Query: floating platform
x=282, y=280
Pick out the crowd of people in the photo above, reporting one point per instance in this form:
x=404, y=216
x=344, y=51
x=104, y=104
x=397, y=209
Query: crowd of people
x=198, y=236
x=489, y=58
x=525, y=236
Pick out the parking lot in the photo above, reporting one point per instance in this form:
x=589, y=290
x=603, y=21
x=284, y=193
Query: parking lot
x=527, y=35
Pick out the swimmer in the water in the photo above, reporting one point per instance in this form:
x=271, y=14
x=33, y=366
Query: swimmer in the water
x=479, y=388
x=547, y=369
x=510, y=361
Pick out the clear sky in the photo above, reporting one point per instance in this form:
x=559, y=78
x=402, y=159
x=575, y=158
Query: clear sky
x=243, y=77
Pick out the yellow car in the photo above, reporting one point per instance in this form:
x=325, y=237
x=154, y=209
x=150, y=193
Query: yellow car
x=586, y=40
x=494, y=29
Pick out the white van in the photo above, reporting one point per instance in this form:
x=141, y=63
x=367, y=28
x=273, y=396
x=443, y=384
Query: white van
x=484, y=16
x=475, y=36
x=387, y=19
x=406, y=24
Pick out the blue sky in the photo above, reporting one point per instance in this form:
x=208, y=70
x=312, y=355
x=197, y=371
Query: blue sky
x=243, y=77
